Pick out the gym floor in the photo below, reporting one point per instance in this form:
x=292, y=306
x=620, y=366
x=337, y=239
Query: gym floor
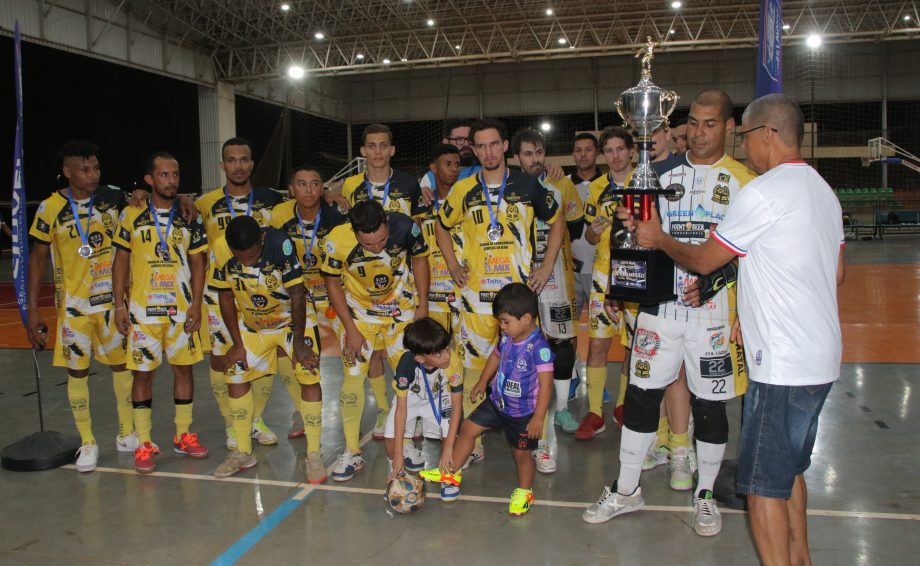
x=864, y=505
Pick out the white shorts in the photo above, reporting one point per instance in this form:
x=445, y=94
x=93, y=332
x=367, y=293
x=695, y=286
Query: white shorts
x=715, y=367
x=419, y=407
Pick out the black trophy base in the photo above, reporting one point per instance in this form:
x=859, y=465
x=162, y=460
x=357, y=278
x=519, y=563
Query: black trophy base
x=724, y=488
x=641, y=276
x=39, y=451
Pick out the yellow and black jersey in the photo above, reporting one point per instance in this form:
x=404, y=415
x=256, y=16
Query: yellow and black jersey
x=401, y=192
x=602, y=202
x=492, y=265
x=309, y=238
x=161, y=283
x=217, y=208
x=378, y=287
x=441, y=295
x=82, y=285
x=260, y=291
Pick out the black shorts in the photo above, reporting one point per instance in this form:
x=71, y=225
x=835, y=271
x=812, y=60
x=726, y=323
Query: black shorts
x=515, y=428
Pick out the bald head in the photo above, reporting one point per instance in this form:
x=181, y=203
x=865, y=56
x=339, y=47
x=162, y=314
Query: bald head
x=780, y=112
x=715, y=98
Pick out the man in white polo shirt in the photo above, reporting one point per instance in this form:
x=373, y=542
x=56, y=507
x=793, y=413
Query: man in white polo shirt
x=786, y=228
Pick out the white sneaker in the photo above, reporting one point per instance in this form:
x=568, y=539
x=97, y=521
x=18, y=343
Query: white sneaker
x=545, y=462
x=87, y=456
x=681, y=474
x=231, y=439
x=347, y=465
x=707, y=521
x=412, y=458
x=262, y=434
x=128, y=443
x=657, y=456
x=610, y=504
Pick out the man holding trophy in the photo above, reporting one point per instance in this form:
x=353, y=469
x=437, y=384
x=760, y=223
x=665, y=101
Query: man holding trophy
x=669, y=330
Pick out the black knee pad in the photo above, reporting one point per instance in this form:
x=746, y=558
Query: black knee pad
x=565, y=358
x=642, y=406
x=710, y=423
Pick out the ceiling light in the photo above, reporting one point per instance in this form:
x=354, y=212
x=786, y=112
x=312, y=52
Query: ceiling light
x=907, y=18
x=549, y=12
x=676, y=5
x=285, y=7
x=403, y=59
x=359, y=56
x=386, y=61
x=319, y=35
x=295, y=72
x=671, y=32
x=546, y=126
x=786, y=27
x=457, y=47
x=562, y=41
x=430, y=22
x=813, y=41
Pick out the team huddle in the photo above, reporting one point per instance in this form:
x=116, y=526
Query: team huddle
x=469, y=283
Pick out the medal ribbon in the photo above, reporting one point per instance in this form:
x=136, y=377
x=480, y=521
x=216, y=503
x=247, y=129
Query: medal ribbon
x=370, y=192
x=169, y=223
x=493, y=217
x=303, y=230
x=437, y=412
x=230, y=204
x=84, y=234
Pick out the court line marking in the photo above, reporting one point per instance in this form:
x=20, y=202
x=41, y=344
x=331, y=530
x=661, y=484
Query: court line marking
x=501, y=500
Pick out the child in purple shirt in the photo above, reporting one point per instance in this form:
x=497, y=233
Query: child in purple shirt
x=520, y=372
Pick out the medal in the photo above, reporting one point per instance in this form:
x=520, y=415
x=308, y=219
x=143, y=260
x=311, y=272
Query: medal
x=495, y=231
x=164, y=247
x=308, y=246
x=84, y=250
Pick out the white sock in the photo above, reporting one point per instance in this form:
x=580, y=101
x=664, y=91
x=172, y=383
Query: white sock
x=633, y=447
x=562, y=394
x=709, y=460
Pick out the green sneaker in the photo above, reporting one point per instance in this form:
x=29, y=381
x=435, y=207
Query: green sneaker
x=262, y=434
x=521, y=500
x=565, y=421
x=437, y=476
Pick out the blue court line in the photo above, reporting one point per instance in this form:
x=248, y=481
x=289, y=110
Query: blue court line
x=250, y=539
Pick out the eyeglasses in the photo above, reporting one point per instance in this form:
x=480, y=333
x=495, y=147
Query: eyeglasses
x=739, y=136
x=456, y=141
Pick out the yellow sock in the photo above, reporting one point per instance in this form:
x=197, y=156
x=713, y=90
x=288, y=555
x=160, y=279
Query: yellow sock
x=351, y=401
x=143, y=420
x=78, y=395
x=242, y=410
x=624, y=383
x=663, y=432
x=261, y=391
x=312, y=413
x=183, y=416
x=379, y=387
x=596, y=379
x=219, y=389
x=122, y=382
x=286, y=371
x=680, y=440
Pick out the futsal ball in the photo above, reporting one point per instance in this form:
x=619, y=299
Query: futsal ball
x=406, y=494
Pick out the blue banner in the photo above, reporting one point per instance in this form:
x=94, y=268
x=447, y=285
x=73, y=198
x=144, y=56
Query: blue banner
x=20, y=228
x=770, y=48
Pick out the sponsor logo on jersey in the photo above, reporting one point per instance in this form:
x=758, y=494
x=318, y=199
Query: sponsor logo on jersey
x=512, y=389
x=646, y=343
x=512, y=213
x=100, y=299
x=487, y=296
x=271, y=282
x=260, y=301
x=717, y=340
x=521, y=364
x=545, y=354
x=724, y=178
x=699, y=213
x=403, y=382
x=96, y=239
x=497, y=264
x=720, y=194
x=689, y=229
x=643, y=369
x=590, y=210
x=381, y=281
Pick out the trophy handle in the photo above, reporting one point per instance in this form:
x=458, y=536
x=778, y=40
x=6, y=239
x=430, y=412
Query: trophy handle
x=672, y=97
x=618, y=104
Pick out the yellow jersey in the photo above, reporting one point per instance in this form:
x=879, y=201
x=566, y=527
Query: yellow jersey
x=401, y=192
x=441, y=292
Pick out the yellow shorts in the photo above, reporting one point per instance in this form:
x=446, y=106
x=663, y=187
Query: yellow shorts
x=218, y=335
x=78, y=336
x=262, y=355
x=377, y=336
x=478, y=336
x=449, y=320
x=599, y=323
x=147, y=342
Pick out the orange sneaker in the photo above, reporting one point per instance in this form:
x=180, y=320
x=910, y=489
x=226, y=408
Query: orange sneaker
x=590, y=426
x=188, y=444
x=143, y=458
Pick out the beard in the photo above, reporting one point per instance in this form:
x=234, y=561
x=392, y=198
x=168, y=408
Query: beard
x=467, y=159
